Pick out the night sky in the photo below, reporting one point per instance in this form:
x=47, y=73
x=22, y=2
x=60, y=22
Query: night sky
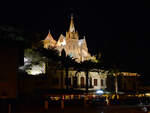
x=119, y=30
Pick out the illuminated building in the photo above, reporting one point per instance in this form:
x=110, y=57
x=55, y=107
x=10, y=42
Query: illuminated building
x=128, y=81
x=124, y=82
x=71, y=44
x=77, y=49
x=77, y=81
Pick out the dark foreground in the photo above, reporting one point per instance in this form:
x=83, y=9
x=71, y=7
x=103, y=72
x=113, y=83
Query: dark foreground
x=38, y=108
x=77, y=109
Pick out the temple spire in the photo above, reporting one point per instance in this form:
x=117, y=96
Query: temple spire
x=72, y=28
x=49, y=31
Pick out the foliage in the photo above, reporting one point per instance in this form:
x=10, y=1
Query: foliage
x=11, y=33
x=49, y=54
x=94, y=59
x=34, y=55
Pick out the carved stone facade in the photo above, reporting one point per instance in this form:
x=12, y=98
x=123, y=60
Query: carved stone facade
x=77, y=49
x=71, y=44
x=77, y=80
x=96, y=80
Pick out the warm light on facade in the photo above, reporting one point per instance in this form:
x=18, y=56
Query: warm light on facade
x=73, y=46
x=126, y=74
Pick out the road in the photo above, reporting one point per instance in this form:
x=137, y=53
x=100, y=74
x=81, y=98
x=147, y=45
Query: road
x=83, y=109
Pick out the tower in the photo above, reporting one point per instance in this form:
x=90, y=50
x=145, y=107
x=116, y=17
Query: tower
x=73, y=46
x=72, y=28
x=72, y=33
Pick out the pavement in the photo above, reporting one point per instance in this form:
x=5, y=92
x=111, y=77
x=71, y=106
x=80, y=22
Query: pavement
x=84, y=109
x=78, y=108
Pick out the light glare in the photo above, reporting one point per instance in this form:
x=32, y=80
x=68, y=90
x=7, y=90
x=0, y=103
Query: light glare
x=99, y=91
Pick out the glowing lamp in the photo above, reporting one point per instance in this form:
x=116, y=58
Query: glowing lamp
x=99, y=92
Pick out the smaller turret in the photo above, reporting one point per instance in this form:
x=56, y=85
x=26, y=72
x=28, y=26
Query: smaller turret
x=49, y=41
x=61, y=41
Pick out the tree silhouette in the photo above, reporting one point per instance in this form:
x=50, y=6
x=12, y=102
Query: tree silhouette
x=63, y=61
x=67, y=62
x=114, y=71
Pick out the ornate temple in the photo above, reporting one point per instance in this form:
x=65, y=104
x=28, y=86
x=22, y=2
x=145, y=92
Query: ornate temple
x=73, y=46
x=77, y=49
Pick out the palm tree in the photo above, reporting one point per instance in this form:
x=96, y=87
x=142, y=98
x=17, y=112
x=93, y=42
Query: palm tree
x=114, y=71
x=63, y=61
x=67, y=62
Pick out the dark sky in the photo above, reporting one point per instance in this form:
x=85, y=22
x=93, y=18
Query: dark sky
x=119, y=30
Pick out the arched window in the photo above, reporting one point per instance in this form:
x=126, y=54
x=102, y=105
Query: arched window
x=75, y=82
x=82, y=82
x=102, y=82
x=95, y=82
x=63, y=53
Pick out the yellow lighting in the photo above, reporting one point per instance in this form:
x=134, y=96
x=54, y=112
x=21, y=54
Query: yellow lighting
x=147, y=94
x=126, y=74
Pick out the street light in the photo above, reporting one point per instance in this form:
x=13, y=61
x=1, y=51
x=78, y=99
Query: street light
x=99, y=92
